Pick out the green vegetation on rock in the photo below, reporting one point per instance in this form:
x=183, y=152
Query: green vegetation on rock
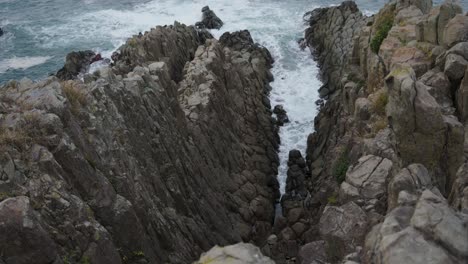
x=380, y=35
x=382, y=26
x=341, y=166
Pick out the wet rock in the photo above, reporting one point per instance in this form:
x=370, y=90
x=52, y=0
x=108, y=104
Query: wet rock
x=75, y=63
x=295, y=182
x=281, y=115
x=238, y=253
x=209, y=20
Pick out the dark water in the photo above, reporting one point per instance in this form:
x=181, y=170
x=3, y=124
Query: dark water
x=39, y=33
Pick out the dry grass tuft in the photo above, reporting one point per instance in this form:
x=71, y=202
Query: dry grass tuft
x=75, y=95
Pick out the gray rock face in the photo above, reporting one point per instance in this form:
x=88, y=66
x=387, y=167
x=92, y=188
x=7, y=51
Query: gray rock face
x=343, y=228
x=430, y=232
x=448, y=10
x=23, y=238
x=422, y=133
x=462, y=98
x=456, y=31
x=369, y=176
x=459, y=195
x=175, y=45
x=131, y=167
x=333, y=50
x=236, y=254
x=455, y=66
x=412, y=179
x=438, y=85
x=424, y=5
x=313, y=253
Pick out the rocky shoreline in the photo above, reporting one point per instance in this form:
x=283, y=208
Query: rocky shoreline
x=387, y=180
x=172, y=148
x=156, y=159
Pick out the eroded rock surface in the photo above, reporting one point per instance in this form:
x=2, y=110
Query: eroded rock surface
x=154, y=160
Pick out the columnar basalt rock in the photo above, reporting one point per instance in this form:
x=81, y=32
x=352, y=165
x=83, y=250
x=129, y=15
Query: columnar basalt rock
x=394, y=148
x=153, y=160
x=333, y=50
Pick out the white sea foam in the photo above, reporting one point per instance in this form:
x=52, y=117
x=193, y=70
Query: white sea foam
x=21, y=62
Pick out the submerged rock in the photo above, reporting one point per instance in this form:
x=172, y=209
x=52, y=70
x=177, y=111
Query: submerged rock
x=209, y=20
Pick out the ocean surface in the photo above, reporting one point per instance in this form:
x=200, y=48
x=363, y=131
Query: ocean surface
x=39, y=34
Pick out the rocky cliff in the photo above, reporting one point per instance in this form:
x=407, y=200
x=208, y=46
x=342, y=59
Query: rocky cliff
x=386, y=179
x=155, y=159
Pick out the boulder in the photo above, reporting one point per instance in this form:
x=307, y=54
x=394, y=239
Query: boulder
x=241, y=253
x=209, y=20
x=313, y=253
x=433, y=217
x=455, y=66
x=369, y=176
x=75, y=63
x=438, y=85
x=428, y=232
x=412, y=179
x=412, y=56
x=456, y=31
x=343, y=228
x=426, y=28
